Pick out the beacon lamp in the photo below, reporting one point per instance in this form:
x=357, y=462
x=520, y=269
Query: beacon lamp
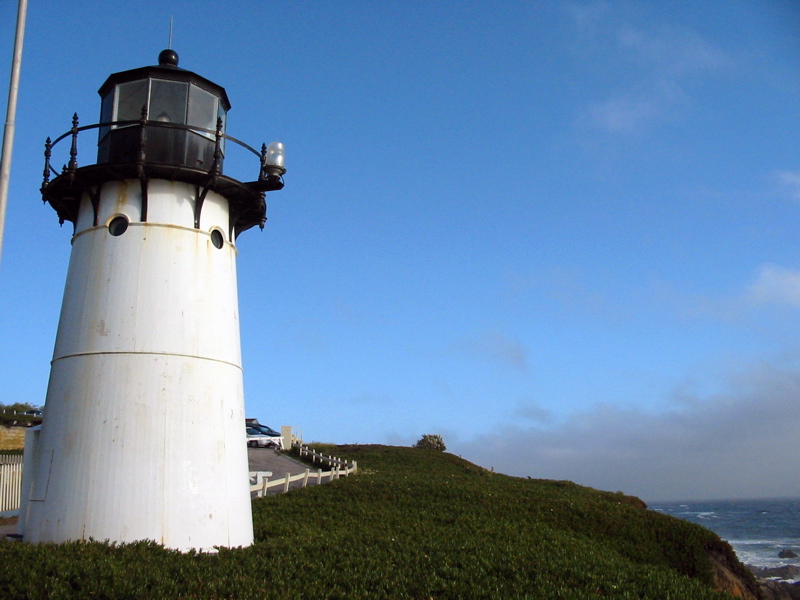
x=270, y=177
x=273, y=161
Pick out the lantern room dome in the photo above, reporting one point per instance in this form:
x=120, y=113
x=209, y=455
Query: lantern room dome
x=166, y=69
x=168, y=57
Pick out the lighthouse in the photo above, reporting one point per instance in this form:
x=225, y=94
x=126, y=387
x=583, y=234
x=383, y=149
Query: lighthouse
x=144, y=436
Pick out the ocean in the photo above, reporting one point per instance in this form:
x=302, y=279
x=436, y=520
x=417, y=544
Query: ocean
x=758, y=530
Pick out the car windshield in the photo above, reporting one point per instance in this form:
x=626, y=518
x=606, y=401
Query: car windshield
x=267, y=431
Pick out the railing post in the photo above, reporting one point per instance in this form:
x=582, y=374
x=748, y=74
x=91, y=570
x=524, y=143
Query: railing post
x=261, y=174
x=217, y=151
x=142, y=136
x=48, y=151
x=73, y=151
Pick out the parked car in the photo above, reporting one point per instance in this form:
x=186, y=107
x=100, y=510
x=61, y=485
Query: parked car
x=264, y=429
x=258, y=439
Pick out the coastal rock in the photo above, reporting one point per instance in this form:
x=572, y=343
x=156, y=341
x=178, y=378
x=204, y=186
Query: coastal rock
x=774, y=589
x=787, y=554
x=731, y=576
x=785, y=572
x=780, y=590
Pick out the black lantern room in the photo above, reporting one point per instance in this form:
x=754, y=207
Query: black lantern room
x=162, y=122
x=164, y=94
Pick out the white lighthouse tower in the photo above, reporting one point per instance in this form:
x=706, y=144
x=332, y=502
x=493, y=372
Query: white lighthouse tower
x=143, y=436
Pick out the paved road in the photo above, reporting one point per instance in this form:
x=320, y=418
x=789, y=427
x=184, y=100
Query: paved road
x=266, y=459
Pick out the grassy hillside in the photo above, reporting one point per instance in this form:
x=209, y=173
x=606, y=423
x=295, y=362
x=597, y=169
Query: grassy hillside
x=411, y=524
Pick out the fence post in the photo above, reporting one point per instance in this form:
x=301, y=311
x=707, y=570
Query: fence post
x=305, y=478
x=263, y=491
x=286, y=434
x=286, y=483
x=319, y=476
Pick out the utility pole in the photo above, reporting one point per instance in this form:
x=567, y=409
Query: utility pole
x=11, y=113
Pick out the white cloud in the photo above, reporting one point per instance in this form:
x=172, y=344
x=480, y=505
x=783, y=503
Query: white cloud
x=624, y=114
x=790, y=182
x=663, y=57
x=669, y=51
x=533, y=411
x=497, y=347
x=569, y=288
x=771, y=287
x=775, y=285
x=741, y=443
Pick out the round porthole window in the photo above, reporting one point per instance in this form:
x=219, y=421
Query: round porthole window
x=217, y=239
x=118, y=225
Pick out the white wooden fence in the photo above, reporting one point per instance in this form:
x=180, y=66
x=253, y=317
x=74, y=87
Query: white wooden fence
x=10, y=482
x=11, y=476
x=316, y=457
x=338, y=469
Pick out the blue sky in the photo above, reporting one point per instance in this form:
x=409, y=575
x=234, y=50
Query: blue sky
x=561, y=234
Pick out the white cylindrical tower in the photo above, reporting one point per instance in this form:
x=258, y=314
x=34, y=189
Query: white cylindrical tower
x=144, y=433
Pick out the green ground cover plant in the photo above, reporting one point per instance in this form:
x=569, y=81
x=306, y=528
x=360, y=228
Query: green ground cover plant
x=411, y=524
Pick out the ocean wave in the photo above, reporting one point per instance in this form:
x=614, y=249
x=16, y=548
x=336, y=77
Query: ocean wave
x=777, y=543
x=698, y=514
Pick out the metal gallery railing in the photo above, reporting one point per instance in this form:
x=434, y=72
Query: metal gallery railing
x=144, y=124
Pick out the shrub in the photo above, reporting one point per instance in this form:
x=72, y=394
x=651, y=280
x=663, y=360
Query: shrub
x=431, y=441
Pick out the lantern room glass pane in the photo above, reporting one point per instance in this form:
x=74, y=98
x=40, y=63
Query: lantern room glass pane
x=202, y=113
x=202, y=109
x=106, y=112
x=168, y=100
x=131, y=98
x=224, y=116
